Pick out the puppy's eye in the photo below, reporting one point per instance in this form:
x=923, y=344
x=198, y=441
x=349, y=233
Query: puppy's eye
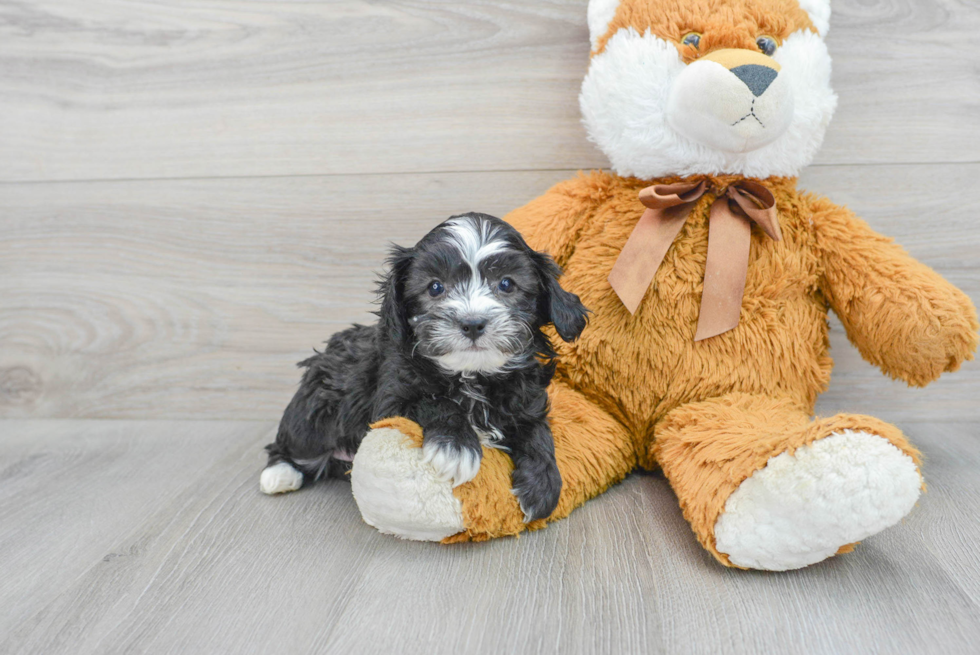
x=436, y=288
x=506, y=285
x=692, y=39
x=767, y=45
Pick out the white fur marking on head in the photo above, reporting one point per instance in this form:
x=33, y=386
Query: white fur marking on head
x=801, y=508
x=280, y=478
x=600, y=14
x=399, y=494
x=624, y=102
x=819, y=11
x=476, y=239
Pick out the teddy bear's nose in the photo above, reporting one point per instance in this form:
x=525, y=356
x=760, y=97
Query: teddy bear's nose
x=756, y=70
x=757, y=78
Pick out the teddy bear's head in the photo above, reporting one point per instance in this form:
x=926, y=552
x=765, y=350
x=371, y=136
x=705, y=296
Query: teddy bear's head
x=686, y=87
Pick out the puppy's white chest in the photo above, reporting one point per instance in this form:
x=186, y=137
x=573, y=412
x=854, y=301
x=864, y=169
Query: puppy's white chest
x=479, y=414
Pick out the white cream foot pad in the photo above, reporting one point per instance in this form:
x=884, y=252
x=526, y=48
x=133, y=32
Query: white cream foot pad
x=801, y=508
x=398, y=493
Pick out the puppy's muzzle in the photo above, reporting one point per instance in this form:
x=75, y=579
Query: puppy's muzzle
x=733, y=100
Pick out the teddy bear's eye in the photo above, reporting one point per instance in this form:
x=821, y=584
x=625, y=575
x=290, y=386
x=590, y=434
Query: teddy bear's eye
x=767, y=45
x=692, y=39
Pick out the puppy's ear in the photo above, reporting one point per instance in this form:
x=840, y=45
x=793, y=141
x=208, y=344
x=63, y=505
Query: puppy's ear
x=559, y=307
x=391, y=292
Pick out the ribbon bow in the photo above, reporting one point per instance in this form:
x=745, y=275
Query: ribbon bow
x=729, y=230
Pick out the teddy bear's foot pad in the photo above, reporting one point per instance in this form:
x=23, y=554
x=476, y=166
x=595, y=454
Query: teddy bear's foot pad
x=801, y=508
x=399, y=493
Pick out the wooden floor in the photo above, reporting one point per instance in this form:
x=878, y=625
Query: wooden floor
x=194, y=194
x=152, y=537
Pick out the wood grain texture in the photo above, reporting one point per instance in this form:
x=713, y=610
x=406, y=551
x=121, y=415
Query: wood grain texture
x=181, y=553
x=70, y=489
x=194, y=194
x=103, y=89
x=194, y=298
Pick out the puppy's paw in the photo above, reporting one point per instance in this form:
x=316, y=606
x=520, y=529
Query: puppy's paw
x=451, y=459
x=280, y=478
x=537, y=486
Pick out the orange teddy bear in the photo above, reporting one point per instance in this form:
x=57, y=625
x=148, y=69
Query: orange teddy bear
x=710, y=275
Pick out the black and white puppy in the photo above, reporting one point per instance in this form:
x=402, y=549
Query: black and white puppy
x=458, y=349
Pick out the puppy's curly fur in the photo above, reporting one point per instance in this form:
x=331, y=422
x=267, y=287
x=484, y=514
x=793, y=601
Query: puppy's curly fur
x=458, y=349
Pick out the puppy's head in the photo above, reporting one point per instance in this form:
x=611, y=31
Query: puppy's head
x=472, y=297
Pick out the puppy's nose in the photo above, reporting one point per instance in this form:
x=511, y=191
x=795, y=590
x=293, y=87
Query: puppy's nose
x=473, y=327
x=757, y=78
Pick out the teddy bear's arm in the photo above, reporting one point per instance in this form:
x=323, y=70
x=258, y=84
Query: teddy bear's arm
x=552, y=222
x=899, y=313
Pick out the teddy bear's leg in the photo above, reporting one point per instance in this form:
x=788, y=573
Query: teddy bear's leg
x=765, y=487
x=399, y=494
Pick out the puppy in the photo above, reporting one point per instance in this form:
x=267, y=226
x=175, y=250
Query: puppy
x=458, y=349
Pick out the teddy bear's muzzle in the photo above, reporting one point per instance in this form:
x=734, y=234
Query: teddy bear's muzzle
x=732, y=100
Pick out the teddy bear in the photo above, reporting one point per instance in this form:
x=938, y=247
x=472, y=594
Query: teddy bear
x=709, y=275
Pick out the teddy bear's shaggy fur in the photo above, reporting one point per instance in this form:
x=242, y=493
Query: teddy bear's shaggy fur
x=729, y=420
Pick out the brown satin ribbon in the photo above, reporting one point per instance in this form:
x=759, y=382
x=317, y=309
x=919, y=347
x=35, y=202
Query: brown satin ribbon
x=729, y=237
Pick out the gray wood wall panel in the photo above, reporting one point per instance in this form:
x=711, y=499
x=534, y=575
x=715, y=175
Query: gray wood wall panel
x=194, y=298
x=101, y=89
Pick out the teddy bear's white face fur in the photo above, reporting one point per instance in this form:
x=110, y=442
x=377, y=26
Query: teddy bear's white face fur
x=655, y=116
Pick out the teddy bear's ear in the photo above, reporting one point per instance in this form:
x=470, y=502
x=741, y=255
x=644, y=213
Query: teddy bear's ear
x=600, y=14
x=819, y=11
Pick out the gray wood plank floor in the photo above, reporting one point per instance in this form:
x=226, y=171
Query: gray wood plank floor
x=193, y=194
x=152, y=536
